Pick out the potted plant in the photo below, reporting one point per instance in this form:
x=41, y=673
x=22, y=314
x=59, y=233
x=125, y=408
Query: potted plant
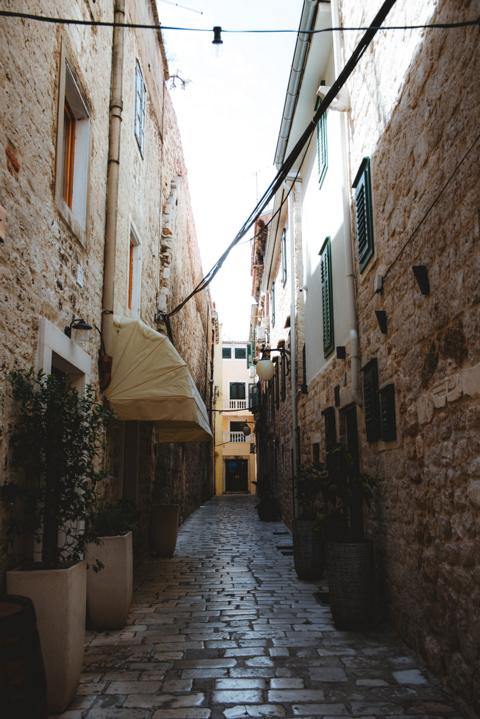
x=55, y=446
x=308, y=538
x=349, y=552
x=110, y=564
x=267, y=507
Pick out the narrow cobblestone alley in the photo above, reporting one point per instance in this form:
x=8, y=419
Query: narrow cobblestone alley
x=225, y=630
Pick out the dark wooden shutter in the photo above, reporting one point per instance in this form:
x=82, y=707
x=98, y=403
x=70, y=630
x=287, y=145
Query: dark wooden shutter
x=327, y=297
x=364, y=214
x=284, y=257
x=387, y=413
x=371, y=404
x=330, y=428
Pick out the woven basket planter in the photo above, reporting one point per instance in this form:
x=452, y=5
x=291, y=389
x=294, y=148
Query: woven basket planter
x=308, y=550
x=350, y=581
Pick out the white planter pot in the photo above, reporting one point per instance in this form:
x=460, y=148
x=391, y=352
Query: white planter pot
x=109, y=591
x=59, y=598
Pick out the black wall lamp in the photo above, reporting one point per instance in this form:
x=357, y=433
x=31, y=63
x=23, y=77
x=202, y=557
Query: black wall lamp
x=421, y=275
x=382, y=320
x=341, y=352
x=77, y=323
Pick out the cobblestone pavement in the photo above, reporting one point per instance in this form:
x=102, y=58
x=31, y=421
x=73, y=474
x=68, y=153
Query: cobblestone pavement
x=225, y=629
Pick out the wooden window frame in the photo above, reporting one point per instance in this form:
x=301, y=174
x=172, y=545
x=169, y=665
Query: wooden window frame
x=68, y=152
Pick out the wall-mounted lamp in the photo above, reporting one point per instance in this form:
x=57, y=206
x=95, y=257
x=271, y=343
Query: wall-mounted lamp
x=382, y=320
x=246, y=429
x=77, y=324
x=341, y=352
x=421, y=275
x=264, y=366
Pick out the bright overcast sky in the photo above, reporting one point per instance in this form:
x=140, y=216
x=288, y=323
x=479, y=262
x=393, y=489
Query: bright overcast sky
x=229, y=116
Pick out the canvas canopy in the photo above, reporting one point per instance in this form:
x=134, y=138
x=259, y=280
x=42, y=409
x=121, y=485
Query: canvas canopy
x=150, y=381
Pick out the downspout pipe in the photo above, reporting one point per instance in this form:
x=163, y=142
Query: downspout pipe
x=307, y=24
x=113, y=175
x=348, y=246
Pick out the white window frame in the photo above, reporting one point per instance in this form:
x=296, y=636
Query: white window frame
x=76, y=215
x=55, y=349
x=140, y=107
x=134, y=310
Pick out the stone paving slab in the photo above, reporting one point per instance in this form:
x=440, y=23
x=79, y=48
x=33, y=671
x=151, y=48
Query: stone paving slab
x=225, y=630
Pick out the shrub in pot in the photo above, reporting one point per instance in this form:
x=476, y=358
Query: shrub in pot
x=110, y=564
x=267, y=507
x=308, y=538
x=349, y=553
x=56, y=442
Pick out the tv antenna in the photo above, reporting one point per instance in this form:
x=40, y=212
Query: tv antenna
x=183, y=7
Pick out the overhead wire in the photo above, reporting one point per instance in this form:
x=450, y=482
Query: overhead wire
x=242, y=31
x=290, y=160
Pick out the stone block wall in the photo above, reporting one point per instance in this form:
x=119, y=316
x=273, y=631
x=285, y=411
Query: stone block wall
x=422, y=138
x=46, y=271
x=50, y=272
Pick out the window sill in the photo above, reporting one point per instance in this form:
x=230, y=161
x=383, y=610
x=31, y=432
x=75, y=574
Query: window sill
x=73, y=224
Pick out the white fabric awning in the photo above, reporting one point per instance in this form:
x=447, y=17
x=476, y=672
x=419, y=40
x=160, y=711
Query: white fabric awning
x=150, y=381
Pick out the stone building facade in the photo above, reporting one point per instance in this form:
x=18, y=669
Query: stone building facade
x=56, y=207
x=400, y=384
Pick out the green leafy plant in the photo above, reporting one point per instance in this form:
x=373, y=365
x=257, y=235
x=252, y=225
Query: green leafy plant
x=111, y=519
x=345, y=492
x=56, y=444
x=310, y=487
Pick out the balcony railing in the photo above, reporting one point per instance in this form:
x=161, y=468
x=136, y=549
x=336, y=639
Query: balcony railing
x=237, y=404
x=236, y=437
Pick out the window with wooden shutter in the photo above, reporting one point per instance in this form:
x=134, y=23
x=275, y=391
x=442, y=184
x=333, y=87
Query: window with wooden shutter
x=272, y=304
x=327, y=297
x=330, y=428
x=371, y=403
x=387, y=413
x=283, y=253
x=322, y=146
x=364, y=214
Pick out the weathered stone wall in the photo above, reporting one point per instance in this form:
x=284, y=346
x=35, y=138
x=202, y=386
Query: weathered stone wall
x=47, y=270
x=41, y=256
x=421, y=133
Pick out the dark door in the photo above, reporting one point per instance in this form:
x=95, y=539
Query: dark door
x=236, y=475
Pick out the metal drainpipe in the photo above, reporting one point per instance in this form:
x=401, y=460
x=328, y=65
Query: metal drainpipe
x=113, y=173
x=293, y=339
x=349, y=266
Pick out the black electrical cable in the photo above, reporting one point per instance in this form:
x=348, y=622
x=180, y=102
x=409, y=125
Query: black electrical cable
x=432, y=205
x=271, y=31
x=295, y=152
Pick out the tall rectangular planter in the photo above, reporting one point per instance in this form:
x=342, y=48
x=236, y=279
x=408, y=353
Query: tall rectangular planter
x=59, y=597
x=109, y=590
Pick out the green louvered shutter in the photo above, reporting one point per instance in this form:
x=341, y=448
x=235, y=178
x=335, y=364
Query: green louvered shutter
x=327, y=297
x=322, y=145
x=363, y=214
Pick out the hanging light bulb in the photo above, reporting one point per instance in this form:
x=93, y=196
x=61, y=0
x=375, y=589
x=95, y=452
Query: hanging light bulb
x=217, y=41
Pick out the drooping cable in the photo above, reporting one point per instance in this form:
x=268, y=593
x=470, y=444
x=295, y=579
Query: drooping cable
x=289, y=162
x=241, y=31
